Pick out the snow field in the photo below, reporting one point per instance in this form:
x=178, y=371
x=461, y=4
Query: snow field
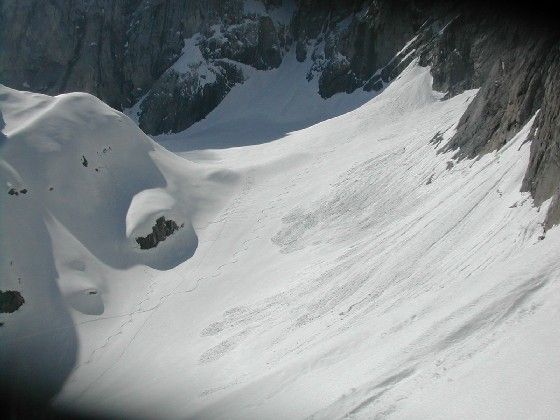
x=342, y=270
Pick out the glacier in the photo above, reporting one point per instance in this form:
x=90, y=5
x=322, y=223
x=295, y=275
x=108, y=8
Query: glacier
x=333, y=263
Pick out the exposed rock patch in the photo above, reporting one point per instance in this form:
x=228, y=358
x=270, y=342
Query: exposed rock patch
x=178, y=100
x=543, y=174
x=14, y=191
x=511, y=90
x=160, y=232
x=10, y=301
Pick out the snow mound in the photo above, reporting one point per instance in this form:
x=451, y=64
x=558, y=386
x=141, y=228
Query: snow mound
x=79, y=181
x=88, y=166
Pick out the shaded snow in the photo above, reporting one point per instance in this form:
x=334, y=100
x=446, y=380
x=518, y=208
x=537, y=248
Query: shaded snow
x=266, y=107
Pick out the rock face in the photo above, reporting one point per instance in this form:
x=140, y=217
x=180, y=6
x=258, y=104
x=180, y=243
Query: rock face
x=177, y=59
x=210, y=44
x=515, y=64
x=60, y=46
x=543, y=175
x=160, y=232
x=10, y=301
x=178, y=100
x=511, y=89
x=349, y=42
x=121, y=50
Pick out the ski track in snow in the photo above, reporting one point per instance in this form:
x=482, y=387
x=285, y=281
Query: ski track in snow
x=161, y=301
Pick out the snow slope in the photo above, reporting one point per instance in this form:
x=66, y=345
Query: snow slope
x=93, y=182
x=343, y=270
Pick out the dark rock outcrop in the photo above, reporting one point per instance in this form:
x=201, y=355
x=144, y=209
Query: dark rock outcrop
x=160, y=232
x=178, y=100
x=352, y=41
x=254, y=41
x=225, y=36
x=511, y=89
x=10, y=301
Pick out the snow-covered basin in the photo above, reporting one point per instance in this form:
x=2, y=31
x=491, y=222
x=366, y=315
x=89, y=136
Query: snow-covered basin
x=346, y=269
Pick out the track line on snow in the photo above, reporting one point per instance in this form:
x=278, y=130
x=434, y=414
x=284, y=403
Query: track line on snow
x=163, y=299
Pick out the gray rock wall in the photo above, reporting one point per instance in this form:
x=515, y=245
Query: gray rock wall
x=516, y=65
x=64, y=45
x=543, y=174
x=351, y=41
x=178, y=100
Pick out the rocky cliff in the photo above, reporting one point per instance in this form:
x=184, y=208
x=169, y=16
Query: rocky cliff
x=514, y=62
x=177, y=59
x=182, y=57
x=123, y=50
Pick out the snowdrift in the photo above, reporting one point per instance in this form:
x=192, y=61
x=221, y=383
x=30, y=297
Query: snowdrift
x=79, y=183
